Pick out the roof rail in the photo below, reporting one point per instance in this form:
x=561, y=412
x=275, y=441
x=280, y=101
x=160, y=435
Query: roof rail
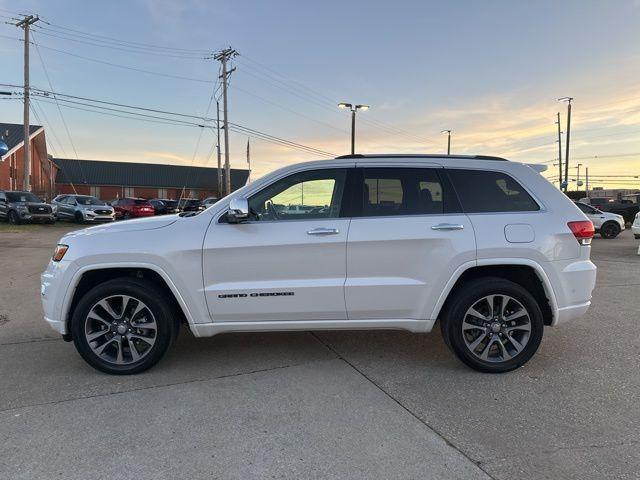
x=398, y=155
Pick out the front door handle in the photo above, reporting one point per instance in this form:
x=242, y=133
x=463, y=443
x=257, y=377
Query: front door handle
x=323, y=231
x=448, y=226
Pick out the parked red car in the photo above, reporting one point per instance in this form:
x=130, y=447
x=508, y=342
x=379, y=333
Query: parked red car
x=126, y=208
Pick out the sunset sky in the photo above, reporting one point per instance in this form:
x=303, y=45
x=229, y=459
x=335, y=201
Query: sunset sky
x=490, y=71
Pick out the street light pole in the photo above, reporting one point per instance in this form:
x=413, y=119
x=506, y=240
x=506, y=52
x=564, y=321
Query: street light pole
x=354, y=109
x=448, y=132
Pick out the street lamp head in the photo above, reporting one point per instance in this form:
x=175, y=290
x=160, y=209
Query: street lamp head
x=445, y=131
x=344, y=105
x=565, y=99
x=364, y=108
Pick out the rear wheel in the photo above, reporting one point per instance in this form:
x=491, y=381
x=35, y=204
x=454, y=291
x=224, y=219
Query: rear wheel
x=609, y=230
x=493, y=325
x=123, y=326
x=126, y=216
x=78, y=217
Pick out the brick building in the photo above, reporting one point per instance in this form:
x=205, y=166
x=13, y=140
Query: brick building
x=12, y=163
x=108, y=180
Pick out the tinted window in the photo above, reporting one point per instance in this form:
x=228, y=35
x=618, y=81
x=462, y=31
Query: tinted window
x=586, y=208
x=139, y=202
x=481, y=191
x=22, y=197
x=304, y=195
x=401, y=191
x=84, y=200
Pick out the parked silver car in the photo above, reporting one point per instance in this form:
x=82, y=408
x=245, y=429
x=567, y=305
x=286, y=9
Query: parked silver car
x=82, y=208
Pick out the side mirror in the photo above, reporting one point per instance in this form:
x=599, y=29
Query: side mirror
x=238, y=210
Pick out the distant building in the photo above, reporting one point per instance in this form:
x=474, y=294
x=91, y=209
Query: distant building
x=12, y=164
x=108, y=180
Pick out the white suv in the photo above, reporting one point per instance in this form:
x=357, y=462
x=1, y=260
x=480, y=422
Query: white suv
x=486, y=247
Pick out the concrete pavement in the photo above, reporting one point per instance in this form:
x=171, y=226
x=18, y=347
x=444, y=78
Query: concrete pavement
x=320, y=405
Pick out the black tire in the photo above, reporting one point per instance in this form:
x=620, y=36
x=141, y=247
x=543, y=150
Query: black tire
x=468, y=295
x=609, y=230
x=50, y=222
x=78, y=217
x=637, y=237
x=162, y=310
x=126, y=216
x=13, y=218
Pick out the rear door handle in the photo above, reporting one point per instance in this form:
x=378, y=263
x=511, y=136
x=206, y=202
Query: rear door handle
x=448, y=226
x=323, y=231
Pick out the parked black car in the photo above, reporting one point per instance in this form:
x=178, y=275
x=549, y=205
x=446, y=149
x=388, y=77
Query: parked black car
x=164, y=206
x=19, y=207
x=190, y=205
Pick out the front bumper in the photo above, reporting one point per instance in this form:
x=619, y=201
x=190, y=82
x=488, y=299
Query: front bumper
x=53, y=289
x=99, y=218
x=37, y=217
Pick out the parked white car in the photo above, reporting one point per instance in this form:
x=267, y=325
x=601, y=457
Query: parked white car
x=635, y=228
x=486, y=247
x=607, y=224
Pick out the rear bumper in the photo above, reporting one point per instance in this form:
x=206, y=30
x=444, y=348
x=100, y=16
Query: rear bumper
x=573, y=284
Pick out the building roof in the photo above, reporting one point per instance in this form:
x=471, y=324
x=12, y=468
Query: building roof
x=13, y=134
x=128, y=174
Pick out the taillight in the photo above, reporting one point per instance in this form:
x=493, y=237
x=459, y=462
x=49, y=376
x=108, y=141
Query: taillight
x=583, y=231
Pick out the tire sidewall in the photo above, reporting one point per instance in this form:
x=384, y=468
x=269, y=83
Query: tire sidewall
x=139, y=289
x=469, y=295
x=13, y=218
x=615, y=230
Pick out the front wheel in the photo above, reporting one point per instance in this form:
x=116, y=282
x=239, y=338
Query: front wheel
x=609, y=230
x=13, y=218
x=123, y=326
x=493, y=325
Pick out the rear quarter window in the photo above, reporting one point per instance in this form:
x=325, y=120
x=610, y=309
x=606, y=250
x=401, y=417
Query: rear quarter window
x=482, y=192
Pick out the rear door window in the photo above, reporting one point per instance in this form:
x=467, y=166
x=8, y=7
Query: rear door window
x=401, y=191
x=484, y=192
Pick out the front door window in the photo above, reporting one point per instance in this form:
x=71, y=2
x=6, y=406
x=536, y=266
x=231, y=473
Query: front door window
x=307, y=195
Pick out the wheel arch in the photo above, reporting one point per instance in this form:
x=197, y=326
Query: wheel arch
x=526, y=273
x=89, y=277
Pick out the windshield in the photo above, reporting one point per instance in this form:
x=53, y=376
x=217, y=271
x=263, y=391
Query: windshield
x=88, y=201
x=22, y=197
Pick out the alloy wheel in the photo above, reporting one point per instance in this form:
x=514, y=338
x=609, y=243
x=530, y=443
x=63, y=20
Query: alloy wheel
x=496, y=328
x=120, y=329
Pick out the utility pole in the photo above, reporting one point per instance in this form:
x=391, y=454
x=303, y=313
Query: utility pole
x=25, y=23
x=566, y=156
x=218, y=148
x=224, y=56
x=559, y=152
x=448, y=132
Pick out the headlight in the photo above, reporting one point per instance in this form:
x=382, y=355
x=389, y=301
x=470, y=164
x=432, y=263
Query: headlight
x=59, y=252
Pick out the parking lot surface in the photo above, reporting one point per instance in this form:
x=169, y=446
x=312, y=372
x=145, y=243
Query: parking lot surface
x=324, y=404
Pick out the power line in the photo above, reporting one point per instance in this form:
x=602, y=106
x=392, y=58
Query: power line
x=169, y=121
x=122, y=49
x=64, y=122
x=66, y=30
x=128, y=67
